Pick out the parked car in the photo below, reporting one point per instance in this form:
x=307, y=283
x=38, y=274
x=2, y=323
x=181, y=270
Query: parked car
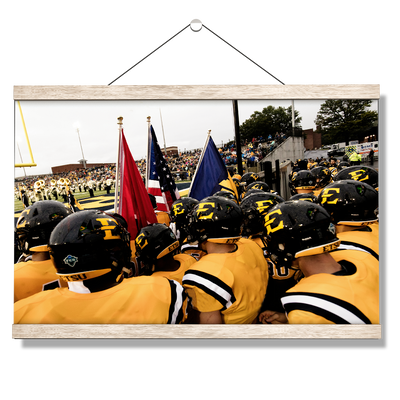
x=337, y=153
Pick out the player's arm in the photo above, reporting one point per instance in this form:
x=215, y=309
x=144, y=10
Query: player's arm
x=197, y=317
x=212, y=317
x=208, y=295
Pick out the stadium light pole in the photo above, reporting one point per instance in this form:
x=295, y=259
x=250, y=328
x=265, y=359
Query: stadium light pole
x=76, y=126
x=293, y=119
x=237, y=137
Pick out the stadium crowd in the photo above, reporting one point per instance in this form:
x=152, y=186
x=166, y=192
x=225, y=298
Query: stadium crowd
x=248, y=257
x=182, y=166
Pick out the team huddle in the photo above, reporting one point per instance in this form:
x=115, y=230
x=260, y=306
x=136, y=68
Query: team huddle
x=253, y=258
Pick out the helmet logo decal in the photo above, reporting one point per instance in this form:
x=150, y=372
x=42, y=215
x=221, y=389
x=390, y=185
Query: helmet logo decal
x=141, y=241
x=177, y=209
x=325, y=195
x=70, y=260
x=357, y=174
x=268, y=222
x=263, y=205
x=204, y=210
x=109, y=234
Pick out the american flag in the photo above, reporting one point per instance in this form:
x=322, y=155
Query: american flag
x=160, y=181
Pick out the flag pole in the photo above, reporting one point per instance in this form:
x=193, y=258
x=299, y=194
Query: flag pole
x=162, y=126
x=238, y=139
x=200, y=160
x=118, y=164
x=148, y=152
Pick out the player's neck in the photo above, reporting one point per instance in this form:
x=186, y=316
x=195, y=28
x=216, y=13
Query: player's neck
x=167, y=264
x=318, y=264
x=219, y=248
x=301, y=191
x=40, y=256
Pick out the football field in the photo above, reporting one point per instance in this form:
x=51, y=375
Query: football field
x=101, y=201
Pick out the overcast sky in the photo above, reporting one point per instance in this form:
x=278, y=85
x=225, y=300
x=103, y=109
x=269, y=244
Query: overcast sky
x=52, y=127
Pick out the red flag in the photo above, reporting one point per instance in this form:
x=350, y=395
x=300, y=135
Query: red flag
x=134, y=202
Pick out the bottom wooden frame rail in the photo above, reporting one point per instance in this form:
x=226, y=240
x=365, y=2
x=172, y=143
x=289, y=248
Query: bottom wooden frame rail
x=123, y=331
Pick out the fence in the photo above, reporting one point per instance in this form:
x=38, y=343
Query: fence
x=277, y=177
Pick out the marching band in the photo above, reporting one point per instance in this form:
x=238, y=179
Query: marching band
x=46, y=188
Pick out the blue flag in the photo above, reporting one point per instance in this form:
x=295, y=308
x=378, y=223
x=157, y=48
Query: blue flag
x=211, y=174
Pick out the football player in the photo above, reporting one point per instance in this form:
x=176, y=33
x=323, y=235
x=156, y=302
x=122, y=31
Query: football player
x=254, y=208
x=259, y=185
x=34, y=270
x=305, y=197
x=179, y=214
x=351, y=205
x=302, y=182
x=228, y=284
x=323, y=177
x=157, y=249
x=359, y=173
x=90, y=250
x=226, y=194
x=300, y=235
x=247, y=179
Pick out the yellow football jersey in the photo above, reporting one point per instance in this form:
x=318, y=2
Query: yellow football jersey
x=280, y=280
x=233, y=283
x=33, y=277
x=163, y=217
x=364, y=238
x=137, y=300
x=185, y=261
x=350, y=297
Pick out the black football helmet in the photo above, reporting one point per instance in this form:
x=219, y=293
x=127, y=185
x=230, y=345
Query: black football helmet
x=37, y=221
x=251, y=191
x=226, y=194
x=324, y=164
x=350, y=202
x=342, y=165
x=152, y=243
x=254, y=207
x=359, y=173
x=303, y=179
x=305, y=197
x=323, y=176
x=180, y=211
x=88, y=244
x=249, y=178
x=296, y=229
x=259, y=185
x=215, y=219
x=255, y=187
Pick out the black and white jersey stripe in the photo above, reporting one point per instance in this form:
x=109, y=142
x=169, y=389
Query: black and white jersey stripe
x=211, y=285
x=178, y=296
x=345, y=245
x=331, y=308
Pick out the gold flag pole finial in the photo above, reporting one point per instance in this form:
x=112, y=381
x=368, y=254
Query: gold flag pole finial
x=117, y=169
